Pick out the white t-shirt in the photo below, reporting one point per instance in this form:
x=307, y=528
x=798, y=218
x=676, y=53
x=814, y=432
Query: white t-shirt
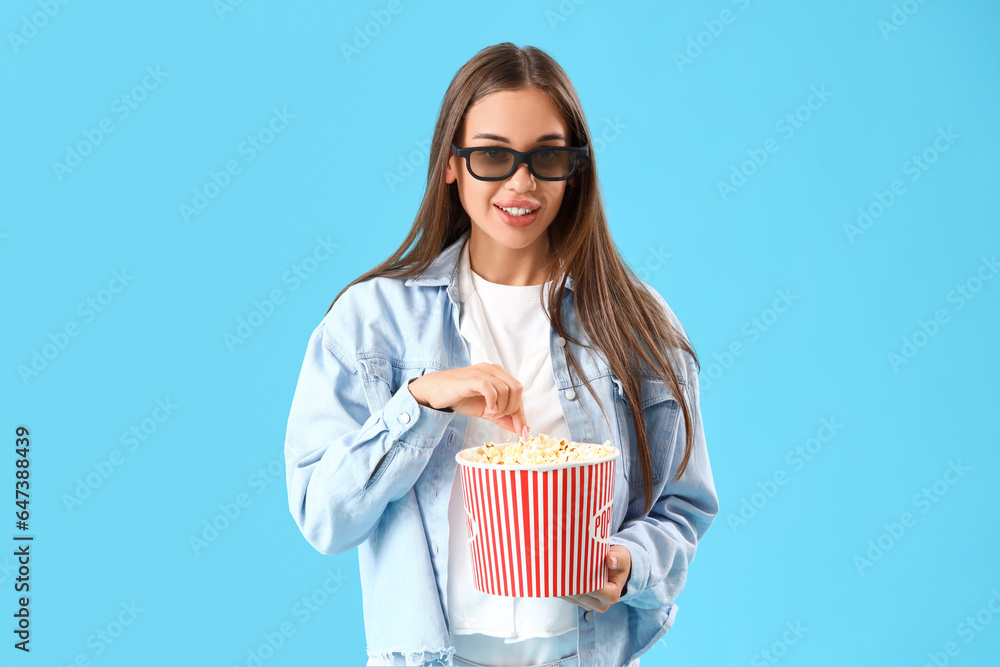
x=505, y=325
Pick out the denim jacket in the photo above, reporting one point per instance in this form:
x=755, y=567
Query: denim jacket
x=369, y=467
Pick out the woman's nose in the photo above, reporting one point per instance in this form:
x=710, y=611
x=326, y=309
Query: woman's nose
x=522, y=180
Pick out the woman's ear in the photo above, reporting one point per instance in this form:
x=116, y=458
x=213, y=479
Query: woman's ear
x=449, y=171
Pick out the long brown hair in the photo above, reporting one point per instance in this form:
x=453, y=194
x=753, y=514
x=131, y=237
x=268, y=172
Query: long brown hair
x=613, y=309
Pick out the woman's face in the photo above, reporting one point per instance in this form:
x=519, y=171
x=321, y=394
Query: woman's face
x=522, y=120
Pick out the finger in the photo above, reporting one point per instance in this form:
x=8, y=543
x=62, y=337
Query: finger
x=507, y=423
x=619, y=561
x=617, y=578
x=513, y=405
x=589, y=601
x=503, y=396
x=518, y=428
x=575, y=599
x=516, y=394
x=516, y=425
x=521, y=423
x=499, y=380
x=503, y=421
x=505, y=384
x=489, y=393
x=515, y=408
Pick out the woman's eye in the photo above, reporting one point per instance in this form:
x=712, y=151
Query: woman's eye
x=493, y=154
x=547, y=155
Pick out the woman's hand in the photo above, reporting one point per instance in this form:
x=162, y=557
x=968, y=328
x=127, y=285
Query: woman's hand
x=619, y=562
x=481, y=390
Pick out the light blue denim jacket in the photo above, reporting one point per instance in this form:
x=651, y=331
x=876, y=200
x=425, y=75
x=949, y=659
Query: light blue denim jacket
x=369, y=467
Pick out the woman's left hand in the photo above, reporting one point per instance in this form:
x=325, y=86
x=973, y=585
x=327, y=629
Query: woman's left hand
x=619, y=562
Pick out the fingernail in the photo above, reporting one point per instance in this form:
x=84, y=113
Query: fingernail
x=614, y=562
x=524, y=432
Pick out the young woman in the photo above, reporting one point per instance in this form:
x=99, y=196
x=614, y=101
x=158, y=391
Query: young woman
x=506, y=308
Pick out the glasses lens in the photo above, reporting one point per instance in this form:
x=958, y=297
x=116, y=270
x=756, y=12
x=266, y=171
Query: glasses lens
x=553, y=163
x=490, y=162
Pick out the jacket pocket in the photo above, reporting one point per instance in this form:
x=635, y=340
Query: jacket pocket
x=376, y=376
x=382, y=379
x=380, y=467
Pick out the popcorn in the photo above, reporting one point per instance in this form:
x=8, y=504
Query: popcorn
x=540, y=450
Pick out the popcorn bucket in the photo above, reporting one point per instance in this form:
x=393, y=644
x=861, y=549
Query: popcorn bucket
x=540, y=530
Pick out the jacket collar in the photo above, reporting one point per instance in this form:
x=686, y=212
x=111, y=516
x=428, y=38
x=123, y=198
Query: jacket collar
x=443, y=270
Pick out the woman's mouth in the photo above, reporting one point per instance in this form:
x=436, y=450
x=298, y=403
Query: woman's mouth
x=516, y=217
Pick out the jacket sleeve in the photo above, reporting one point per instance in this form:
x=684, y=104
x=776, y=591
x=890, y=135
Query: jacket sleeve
x=662, y=544
x=345, y=463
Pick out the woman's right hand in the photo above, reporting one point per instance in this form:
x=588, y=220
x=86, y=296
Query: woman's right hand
x=482, y=390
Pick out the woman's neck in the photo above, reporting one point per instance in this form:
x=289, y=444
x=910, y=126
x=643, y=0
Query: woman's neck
x=509, y=266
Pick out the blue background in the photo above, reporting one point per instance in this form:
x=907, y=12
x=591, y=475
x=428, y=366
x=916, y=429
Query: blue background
x=673, y=130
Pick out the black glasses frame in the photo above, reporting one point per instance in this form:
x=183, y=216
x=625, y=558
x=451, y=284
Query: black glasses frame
x=521, y=157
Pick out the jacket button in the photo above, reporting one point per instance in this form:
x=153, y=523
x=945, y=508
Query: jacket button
x=560, y=342
x=589, y=616
x=569, y=394
x=404, y=418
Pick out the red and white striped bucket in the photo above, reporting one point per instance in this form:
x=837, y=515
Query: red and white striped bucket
x=538, y=531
